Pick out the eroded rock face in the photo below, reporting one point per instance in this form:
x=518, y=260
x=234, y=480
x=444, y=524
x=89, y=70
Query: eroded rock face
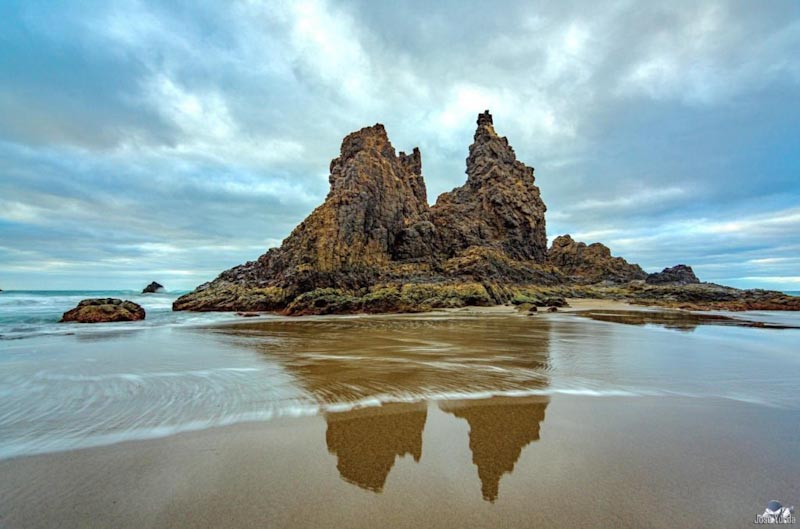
x=499, y=206
x=103, y=310
x=591, y=263
x=376, y=207
x=152, y=288
x=676, y=275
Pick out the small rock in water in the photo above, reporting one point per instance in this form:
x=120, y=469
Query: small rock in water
x=104, y=310
x=152, y=288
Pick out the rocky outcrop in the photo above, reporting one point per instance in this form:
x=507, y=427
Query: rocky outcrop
x=698, y=296
x=376, y=212
x=152, y=288
x=375, y=245
x=591, y=263
x=676, y=275
x=376, y=230
x=103, y=310
x=498, y=207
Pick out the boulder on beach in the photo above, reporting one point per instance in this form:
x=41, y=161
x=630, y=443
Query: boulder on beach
x=152, y=288
x=103, y=310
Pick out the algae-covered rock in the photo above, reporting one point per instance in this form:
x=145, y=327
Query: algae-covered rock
x=103, y=310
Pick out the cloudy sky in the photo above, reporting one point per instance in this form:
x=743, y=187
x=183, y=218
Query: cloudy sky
x=168, y=141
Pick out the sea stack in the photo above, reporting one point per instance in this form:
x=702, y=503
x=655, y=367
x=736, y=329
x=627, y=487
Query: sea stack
x=376, y=245
x=499, y=207
x=376, y=231
x=152, y=288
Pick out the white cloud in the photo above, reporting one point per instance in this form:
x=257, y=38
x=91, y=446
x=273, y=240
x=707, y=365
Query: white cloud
x=641, y=198
x=246, y=102
x=327, y=42
x=775, y=280
x=208, y=129
x=712, y=56
x=776, y=222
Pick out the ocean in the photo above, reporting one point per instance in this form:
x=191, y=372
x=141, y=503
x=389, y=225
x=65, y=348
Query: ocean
x=28, y=313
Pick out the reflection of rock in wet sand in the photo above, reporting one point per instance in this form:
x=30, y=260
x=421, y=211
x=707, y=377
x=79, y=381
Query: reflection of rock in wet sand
x=347, y=360
x=499, y=429
x=367, y=441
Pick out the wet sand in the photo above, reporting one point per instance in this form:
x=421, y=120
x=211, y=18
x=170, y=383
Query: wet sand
x=503, y=462
x=437, y=420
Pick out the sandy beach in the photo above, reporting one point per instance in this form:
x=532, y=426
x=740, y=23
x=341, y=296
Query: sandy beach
x=560, y=462
x=612, y=416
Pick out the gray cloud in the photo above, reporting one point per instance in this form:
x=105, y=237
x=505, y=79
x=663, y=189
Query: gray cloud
x=143, y=140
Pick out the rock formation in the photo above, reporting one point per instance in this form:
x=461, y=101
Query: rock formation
x=499, y=206
x=591, y=263
x=152, y=288
x=375, y=245
x=676, y=275
x=103, y=310
x=376, y=229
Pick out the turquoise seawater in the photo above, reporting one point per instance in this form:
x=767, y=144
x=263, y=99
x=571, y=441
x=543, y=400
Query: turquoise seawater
x=27, y=313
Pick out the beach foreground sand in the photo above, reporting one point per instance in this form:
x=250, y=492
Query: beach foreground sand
x=561, y=461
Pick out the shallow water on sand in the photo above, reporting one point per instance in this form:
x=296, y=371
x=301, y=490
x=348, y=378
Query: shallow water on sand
x=60, y=392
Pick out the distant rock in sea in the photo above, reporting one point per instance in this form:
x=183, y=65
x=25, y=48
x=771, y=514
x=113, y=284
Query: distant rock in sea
x=676, y=275
x=104, y=310
x=375, y=245
x=152, y=288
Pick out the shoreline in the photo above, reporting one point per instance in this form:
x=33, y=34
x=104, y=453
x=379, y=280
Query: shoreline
x=580, y=304
x=574, y=306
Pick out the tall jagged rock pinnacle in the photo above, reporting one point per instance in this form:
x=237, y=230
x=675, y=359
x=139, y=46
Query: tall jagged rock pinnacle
x=499, y=206
x=374, y=196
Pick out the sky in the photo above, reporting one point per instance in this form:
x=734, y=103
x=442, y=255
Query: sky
x=169, y=141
